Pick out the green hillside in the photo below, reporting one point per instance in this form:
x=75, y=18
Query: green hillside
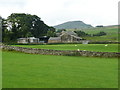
x=112, y=33
x=73, y=25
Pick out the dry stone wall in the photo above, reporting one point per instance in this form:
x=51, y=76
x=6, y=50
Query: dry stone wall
x=59, y=52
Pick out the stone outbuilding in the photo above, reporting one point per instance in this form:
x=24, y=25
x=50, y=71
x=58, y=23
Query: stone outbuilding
x=28, y=40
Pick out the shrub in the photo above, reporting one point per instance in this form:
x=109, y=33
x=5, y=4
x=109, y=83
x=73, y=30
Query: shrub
x=100, y=34
x=82, y=33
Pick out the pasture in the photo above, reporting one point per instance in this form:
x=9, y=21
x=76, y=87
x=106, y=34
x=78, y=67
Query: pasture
x=112, y=33
x=87, y=47
x=46, y=71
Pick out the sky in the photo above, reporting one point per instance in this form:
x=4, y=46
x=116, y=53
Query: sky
x=54, y=12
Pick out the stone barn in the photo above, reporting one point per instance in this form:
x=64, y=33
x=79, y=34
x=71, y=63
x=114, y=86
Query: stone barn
x=54, y=40
x=65, y=37
x=69, y=36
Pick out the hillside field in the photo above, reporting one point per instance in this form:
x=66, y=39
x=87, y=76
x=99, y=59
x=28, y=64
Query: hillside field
x=46, y=71
x=112, y=33
x=87, y=47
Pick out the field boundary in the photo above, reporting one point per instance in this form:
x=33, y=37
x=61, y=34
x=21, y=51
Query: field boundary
x=60, y=52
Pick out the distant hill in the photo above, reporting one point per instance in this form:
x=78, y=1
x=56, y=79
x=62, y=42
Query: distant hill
x=73, y=25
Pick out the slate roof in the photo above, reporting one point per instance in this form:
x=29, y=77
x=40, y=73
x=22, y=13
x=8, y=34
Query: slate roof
x=76, y=37
x=54, y=38
x=69, y=33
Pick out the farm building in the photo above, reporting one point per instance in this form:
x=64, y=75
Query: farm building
x=54, y=40
x=65, y=37
x=28, y=40
x=69, y=36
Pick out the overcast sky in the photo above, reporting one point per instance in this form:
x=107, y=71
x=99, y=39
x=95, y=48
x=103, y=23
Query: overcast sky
x=53, y=12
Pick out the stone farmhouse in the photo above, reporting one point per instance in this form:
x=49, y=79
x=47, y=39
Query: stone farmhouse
x=65, y=37
x=32, y=40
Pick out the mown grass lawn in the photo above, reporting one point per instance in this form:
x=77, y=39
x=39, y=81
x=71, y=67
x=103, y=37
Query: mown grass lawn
x=46, y=71
x=88, y=47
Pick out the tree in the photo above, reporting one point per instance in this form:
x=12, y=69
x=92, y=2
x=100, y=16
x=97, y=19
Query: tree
x=23, y=23
x=51, y=34
x=0, y=29
x=99, y=26
x=5, y=32
x=100, y=34
x=81, y=33
x=20, y=25
x=60, y=30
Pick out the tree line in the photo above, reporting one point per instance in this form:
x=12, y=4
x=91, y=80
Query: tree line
x=82, y=33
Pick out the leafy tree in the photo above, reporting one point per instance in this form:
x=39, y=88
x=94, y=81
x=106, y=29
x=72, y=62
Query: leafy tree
x=51, y=34
x=23, y=23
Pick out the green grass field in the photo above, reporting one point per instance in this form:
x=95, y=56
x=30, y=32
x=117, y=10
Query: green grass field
x=112, y=33
x=88, y=47
x=46, y=71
